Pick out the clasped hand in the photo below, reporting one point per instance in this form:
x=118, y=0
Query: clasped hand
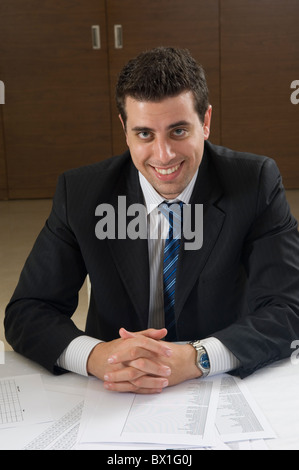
x=141, y=362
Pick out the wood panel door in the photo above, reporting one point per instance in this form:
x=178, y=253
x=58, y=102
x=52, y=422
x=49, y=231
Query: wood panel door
x=259, y=55
x=57, y=110
x=192, y=24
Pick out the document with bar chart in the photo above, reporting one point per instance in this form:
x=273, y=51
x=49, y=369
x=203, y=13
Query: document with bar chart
x=23, y=401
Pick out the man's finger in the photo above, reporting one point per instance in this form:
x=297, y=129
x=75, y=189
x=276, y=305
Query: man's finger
x=133, y=348
x=141, y=385
x=149, y=333
x=137, y=369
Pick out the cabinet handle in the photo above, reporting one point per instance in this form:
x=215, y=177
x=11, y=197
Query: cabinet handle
x=2, y=101
x=96, y=37
x=118, y=36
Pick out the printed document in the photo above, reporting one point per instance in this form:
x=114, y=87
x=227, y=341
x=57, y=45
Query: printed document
x=23, y=401
x=196, y=413
x=238, y=418
x=184, y=415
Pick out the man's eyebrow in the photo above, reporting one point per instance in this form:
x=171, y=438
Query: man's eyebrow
x=142, y=129
x=171, y=126
x=178, y=124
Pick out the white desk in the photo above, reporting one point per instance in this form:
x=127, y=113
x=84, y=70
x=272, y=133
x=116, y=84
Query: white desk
x=275, y=389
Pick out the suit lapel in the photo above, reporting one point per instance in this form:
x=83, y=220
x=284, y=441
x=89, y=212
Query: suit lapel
x=131, y=256
x=207, y=191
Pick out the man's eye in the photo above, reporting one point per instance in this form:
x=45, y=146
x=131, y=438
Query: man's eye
x=179, y=132
x=144, y=135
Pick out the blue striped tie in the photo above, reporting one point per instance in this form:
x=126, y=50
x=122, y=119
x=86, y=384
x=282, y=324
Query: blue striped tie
x=173, y=212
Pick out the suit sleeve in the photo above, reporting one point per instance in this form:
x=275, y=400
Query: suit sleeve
x=38, y=321
x=271, y=261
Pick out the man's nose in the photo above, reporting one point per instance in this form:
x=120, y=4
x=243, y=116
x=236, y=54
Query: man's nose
x=163, y=150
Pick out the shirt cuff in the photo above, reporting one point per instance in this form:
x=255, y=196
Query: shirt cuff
x=74, y=358
x=221, y=359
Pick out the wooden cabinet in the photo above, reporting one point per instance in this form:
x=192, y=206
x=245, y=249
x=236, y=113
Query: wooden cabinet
x=259, y=61
x=57, y=111
x=60, y=110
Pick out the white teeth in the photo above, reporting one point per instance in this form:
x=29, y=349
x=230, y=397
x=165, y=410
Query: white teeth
x=168, y=171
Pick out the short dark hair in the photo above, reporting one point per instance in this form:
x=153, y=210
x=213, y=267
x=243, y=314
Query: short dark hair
x=161, y=73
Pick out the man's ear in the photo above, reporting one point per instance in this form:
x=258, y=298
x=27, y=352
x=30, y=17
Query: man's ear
x=124, y=128
x=122, y=123
x=207, y=122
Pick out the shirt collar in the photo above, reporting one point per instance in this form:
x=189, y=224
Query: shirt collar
x=153, y=199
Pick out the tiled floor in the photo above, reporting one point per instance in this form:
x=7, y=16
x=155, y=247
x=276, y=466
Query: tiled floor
x=20, y=223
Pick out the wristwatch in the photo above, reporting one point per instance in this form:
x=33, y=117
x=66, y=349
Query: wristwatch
x=202, y=358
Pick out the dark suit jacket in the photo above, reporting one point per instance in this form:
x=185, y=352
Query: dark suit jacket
x=241, y=287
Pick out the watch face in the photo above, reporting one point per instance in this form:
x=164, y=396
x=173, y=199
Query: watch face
x=204, y=361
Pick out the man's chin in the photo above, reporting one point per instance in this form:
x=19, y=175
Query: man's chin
x=168, y=191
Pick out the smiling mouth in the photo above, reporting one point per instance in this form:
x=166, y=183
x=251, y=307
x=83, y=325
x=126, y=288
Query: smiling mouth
x=167, y=171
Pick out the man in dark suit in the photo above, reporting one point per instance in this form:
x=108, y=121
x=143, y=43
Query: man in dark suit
x=235, y=298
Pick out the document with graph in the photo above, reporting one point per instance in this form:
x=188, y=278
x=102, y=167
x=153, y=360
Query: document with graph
x=23, y=400
x=181, y=415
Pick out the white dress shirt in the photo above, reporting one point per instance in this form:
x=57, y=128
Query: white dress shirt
x=75, y=356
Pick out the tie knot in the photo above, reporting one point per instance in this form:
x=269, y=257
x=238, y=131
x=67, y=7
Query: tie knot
x=174, y=207
x=173, y=211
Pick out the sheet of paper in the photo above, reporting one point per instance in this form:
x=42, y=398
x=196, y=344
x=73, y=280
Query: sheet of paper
x=256, y=444
x=23, y=401
x=238, y=417
x=181, y=415
x=62, y=434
